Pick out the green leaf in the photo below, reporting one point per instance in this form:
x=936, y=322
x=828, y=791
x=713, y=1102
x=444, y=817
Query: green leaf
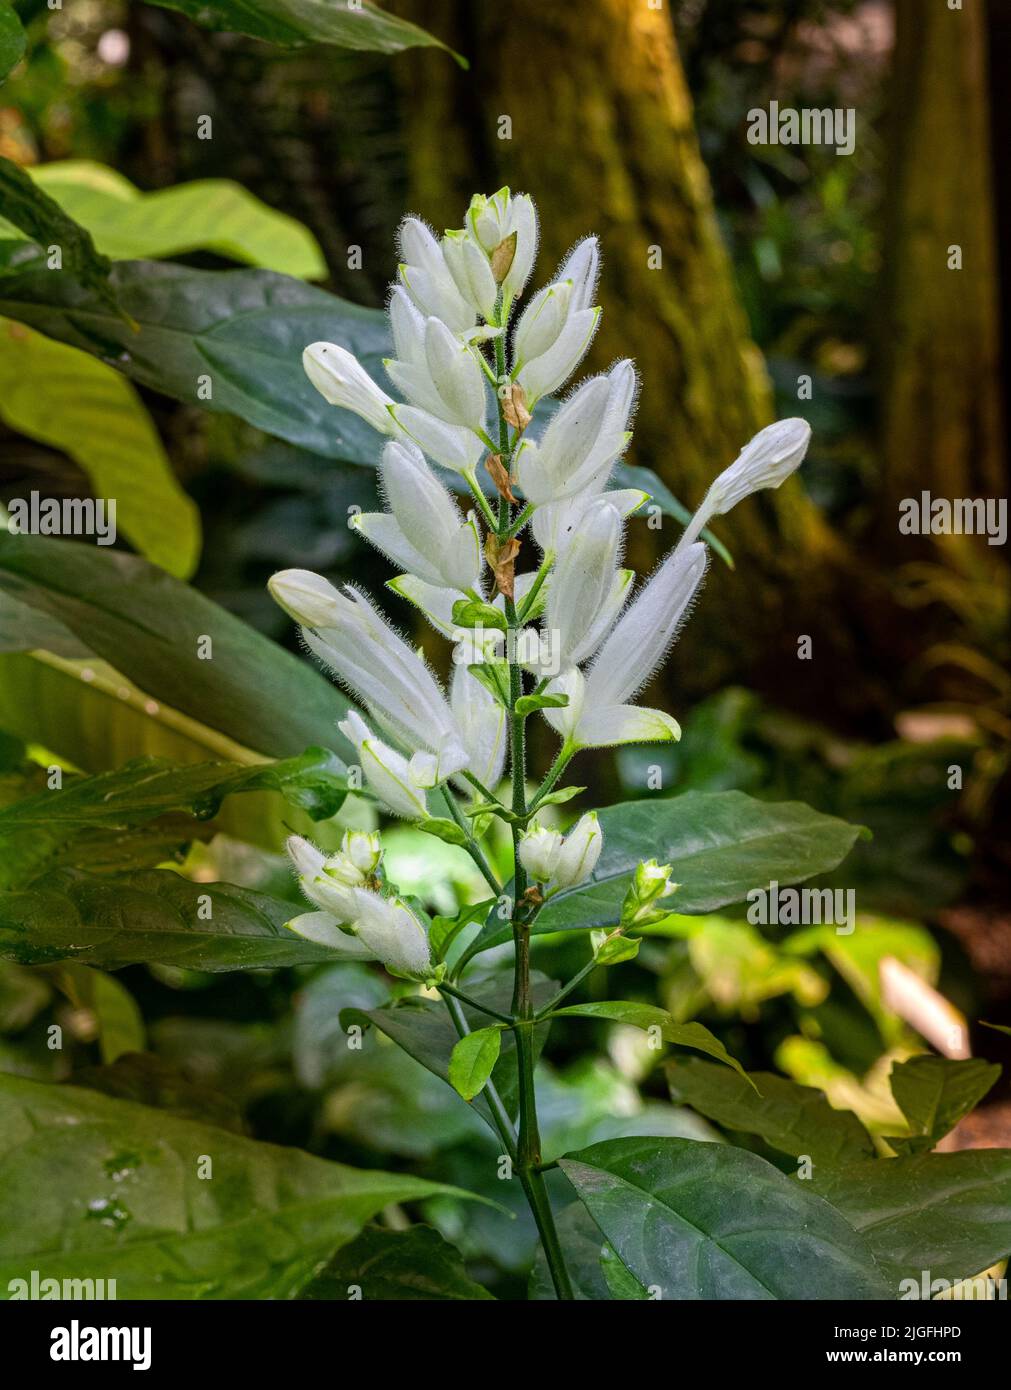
x=153, y=629
x=707, y=1221
x=949, y=1214
x=126, y=1195
x=934, y=1093
x=240, y=331
x=648, y=1016
x=560, y=795
x=444, y=930
x=997, y=1027
x=36, y=828
x=473, y=1059
x=443, y=829
x=494, y=676
x=12, y=40
x=67, y=399
x=794, y=1119
x=386, y=1265
x=721, y=844
x=44, y=222
x=291, y=23
x=527, y=704
x=206, y=215
x=151, y=1080
x=609, y=949
x=120, y=1025
x=151, y=915
x=589, y=1259
x=472, y=613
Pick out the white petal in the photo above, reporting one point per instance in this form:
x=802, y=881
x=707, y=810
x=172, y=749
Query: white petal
x=546, y=373
x=457, y=376
x=324, y=930
x=341, y=379
x=451, y=445
x=614, y=724
x=383, y=531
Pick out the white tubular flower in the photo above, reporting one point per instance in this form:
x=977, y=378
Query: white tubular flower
x=767, y=461
x=331, y=890
x=494, y=220
x=342, y=380
x=640, y=640
x=584, y=585
x=454, y=446
x=579, y=853
x=386, y=771
x=471, y=272
x=426, y=533
x=483, y=727
x=373, y=661
x=426, y=277
x=558, y=358
x=582, y=441
x=556, y=524
x=389, y=928
x=433, y=369
x=539, y=850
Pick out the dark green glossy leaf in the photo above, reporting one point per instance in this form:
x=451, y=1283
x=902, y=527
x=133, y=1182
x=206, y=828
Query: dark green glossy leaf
x=152, y=1081
x=592, y=1265
x=648, y=1016
x=97, y=1188
x=292, y=23
x=706, y=1221
x=947, y=1214
x=472, y=1060
x=934, y=1093
x=721, y=845
x=794, y=1119
x=38, y=827
x=152, y=628
x=151, y=915
x=381, y=1264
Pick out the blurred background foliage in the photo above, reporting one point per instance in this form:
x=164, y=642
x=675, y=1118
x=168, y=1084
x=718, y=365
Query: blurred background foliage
x=779, y=263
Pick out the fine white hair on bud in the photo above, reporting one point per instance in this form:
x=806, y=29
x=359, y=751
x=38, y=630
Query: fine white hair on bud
x=548, y=350
x=539, y=850
x=577, y=858
x=342, y=380
x=767, y=461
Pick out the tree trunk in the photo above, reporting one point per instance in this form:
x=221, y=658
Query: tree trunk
x=942, y=426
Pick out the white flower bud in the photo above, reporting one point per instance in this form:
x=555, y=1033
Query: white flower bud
x=427, y=279
x=324, y=929
x=583, y=582
x=471, y=272
x=483, y=727
x=389, y=928
x=539, y=849
x=364, y=849
x=769, y=459
x=386, y=771
x=307, y=859
x=582, y=441
x=341, y=379
x=492, y=220
x=454, y=446
x=558, y=356
x=579, y=853
x=426, y=534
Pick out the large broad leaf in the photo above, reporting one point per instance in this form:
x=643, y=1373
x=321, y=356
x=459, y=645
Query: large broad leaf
x=207, y=215
x=701, y=1221
x=947, y=1214
x=44, y=222
x=174, y=644
x=595, y=1271
x=12, y=39
x=238, y=334
x=381, y=1264
x=96, y=1188
x=291, y=23
x=794, y=1119
x=67, y=399
x=934, y=1093
x=151, y=915
x=722, y=845
x=36, y=828
x=648, y=1016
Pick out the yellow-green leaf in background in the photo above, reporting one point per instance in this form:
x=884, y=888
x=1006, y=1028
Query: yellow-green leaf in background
x=68, y=399
x=206, y=215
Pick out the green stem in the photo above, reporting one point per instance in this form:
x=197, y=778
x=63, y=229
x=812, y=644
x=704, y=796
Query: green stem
x=445, y=988
x=472, y=847
x=565, y=990
x=499, y=1113
x=555, y=771
x=535, y=588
